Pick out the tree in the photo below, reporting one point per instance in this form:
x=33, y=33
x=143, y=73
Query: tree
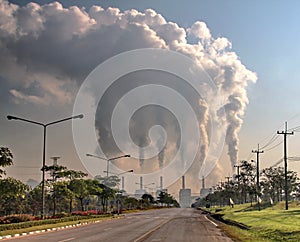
x=247, y=176
x=58, y=188
x=12, y=194
x=131, y=203
x=6, y=159
x=147, y=199
x=105, y=195
x=109, y=181
x=80, y=189
x=34, y=200
x=165, y=198
x=84, y=188
x=63, y=197
x=62, y=172
x=273, y=182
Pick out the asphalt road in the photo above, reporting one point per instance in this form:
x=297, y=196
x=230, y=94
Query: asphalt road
x=176, y=224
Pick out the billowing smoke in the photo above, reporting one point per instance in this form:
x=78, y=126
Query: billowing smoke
x=141, y=155
x=161, y=154
x=46, y=51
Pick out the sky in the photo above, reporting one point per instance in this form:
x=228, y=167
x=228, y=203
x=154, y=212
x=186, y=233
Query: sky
x=47, y=52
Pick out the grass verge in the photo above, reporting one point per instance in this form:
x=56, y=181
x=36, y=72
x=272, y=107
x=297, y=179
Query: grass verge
x=269, y=224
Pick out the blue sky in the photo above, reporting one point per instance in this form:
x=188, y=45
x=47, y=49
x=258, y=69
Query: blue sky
x=264, y=34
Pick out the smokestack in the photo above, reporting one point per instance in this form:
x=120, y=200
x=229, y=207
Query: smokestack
x=183, y=183
x=203, y=182
x=123, y=183
x=141, y=183
x=161, y=183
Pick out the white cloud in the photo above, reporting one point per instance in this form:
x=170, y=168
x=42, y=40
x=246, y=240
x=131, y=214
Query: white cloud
x=57, y=47
x=200, y=30
x=21, y=97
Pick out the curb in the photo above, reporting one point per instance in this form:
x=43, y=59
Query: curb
x=219, y=217
x=43, y=231
x=56, y=228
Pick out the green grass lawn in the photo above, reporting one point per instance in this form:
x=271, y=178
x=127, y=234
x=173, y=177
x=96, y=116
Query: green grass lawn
x=268, y=224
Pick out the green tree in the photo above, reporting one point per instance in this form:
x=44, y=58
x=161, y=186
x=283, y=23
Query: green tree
x=80, y=189
x=62, y=172
x=105, y=195
x=6, y=159
x=58, y=188
x=109, y=181
x=130, y=203
x=247, y=177
x=165, y=198
x=147, y=199
x=12, y=195
x=63, y=197
x=34, y=200
x=273, y=182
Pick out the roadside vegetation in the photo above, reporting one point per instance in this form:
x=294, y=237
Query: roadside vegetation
x=259, y=208
x=269, y=224
x=70, y=198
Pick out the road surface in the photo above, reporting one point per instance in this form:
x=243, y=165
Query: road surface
x=175, y=224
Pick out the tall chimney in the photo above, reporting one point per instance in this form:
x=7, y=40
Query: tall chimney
x=203, y=182
x=141, y=183
x=183, y=183
x=161, y=183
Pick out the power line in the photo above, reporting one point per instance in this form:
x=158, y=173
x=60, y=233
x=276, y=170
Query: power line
x=291, y=158
x=272, y=140
x=274, y=146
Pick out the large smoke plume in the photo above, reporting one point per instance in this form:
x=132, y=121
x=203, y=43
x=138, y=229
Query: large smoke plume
x=46, y=51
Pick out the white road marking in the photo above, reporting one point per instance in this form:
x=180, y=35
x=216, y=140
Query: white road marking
x=210, y=221
x=107, y=229
x=66, y=240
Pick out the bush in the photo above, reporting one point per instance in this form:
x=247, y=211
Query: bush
x=16, y=218
x=60, y=215
x=86, y=213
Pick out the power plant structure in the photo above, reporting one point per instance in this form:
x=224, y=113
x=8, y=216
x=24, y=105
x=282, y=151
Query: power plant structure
x=161, y=187
x=140, y=192
x=203, y=191
x=185, y=196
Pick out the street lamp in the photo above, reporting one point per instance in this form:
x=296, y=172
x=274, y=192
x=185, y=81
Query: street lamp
x=9, y=117
x=118, y=174
x=108, y=160
x=152, y=183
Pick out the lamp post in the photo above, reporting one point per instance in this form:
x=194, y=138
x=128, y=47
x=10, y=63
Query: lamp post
x=108, y=160
x=145, y=186
x=44, y=125
x=118, y=174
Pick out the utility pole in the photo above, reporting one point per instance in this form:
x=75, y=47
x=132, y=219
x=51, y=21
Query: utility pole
x=238, y=172
x=257, y=173
x=227, y=177
x=285, y=133
x=238, y=178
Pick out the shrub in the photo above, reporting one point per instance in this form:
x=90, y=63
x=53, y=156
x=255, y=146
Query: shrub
x=16, y=218
x=86, y=213
x=60, y=215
